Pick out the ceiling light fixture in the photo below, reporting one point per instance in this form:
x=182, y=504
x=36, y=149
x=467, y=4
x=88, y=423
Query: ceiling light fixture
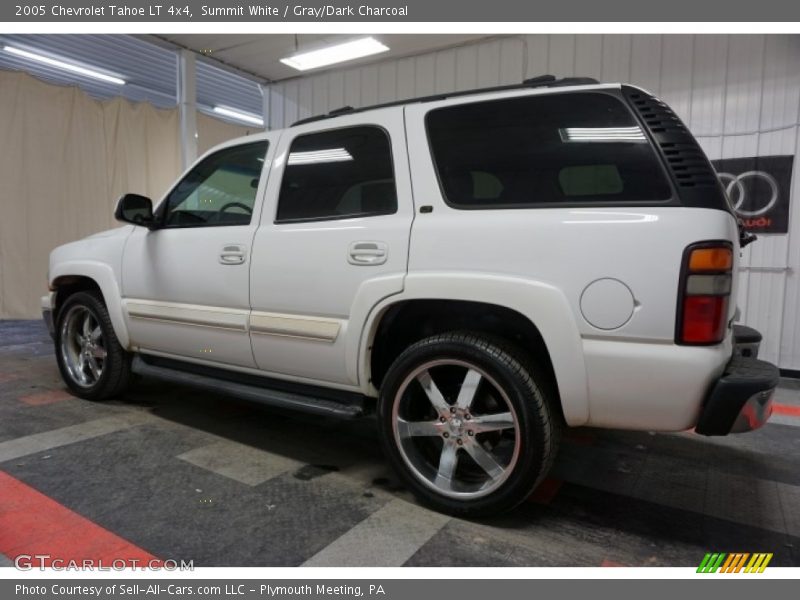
x=319, y=156
x=335, y=54
x=602, y=134
x=239, y=115
x=66, y=66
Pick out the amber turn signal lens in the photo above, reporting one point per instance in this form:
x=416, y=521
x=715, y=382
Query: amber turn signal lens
x=711, y=259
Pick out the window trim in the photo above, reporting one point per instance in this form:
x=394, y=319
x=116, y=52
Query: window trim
x=163, y=207
x=277, y=221
x=672, y=200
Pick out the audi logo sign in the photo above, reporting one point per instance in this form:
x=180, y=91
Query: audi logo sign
x=759, y=190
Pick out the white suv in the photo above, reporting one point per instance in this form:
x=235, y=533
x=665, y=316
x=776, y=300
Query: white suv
x=481, y=269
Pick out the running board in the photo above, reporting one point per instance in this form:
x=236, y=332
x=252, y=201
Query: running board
x=349, y=408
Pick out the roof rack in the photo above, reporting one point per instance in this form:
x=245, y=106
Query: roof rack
x=533, y=82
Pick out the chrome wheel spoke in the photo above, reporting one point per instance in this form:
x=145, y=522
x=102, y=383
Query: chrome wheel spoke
x=87, y=325
x=495, y=422
x=96, y=334
x=485, y=460
x=468, y=389
x=447, y=466
x=81, y=370
x=417, y=428
x=433, y=393
x=94, y=369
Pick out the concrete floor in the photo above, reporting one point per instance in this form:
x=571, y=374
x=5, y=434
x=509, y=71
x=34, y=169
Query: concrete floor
x=194, y=476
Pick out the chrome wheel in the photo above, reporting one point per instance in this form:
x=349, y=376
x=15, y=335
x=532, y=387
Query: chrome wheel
x=82, y=346
x=455, y=428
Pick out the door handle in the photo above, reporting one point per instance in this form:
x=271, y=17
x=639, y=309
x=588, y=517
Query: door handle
x=232, y=254
x=367, y=253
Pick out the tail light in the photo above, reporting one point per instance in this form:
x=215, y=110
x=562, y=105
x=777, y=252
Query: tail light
x=705, y=290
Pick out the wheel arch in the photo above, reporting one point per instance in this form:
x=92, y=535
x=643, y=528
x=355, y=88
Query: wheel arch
x=532, y=315
x=69, y=278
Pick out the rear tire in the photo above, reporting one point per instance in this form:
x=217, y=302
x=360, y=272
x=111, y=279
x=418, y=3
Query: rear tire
x=92, y=363
x=467, y=421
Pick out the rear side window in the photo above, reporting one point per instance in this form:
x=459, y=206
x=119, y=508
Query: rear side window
x=338, y=174
x=574, y=148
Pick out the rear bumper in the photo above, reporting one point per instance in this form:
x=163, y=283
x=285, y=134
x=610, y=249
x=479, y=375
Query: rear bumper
x=741, y=399
x=746, y=341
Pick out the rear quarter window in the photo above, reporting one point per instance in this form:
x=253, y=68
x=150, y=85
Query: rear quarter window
x=577, y=148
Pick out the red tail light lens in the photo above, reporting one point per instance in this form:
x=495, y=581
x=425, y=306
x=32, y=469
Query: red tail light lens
x=704, y=319
x=705, y=286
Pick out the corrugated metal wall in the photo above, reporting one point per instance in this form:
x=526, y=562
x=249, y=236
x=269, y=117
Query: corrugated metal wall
x=740, y=94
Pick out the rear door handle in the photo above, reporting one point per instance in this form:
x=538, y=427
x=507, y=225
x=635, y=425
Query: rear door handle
x=233, y=254
x=367, y=253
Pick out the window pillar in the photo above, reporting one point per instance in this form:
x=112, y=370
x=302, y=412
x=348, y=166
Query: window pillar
x=187, y=106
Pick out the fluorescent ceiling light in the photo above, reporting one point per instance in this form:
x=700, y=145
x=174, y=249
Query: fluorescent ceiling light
x=335, y=54
x=60, y=64
x=318, y=156
x=601, y=134
x=239, y=115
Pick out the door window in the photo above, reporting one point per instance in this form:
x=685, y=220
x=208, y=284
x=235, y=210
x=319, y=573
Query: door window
x=338, y=174
x=221, y=190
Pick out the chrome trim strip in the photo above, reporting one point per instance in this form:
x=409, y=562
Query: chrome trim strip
x=188, y=314
x=316, y=329
x=308, y=328
x=187, y=322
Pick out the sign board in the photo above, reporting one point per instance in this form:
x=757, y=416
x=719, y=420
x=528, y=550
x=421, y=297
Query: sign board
x=759, y=189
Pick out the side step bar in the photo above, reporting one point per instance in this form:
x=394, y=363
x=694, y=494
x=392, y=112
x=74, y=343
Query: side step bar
x=349, y=408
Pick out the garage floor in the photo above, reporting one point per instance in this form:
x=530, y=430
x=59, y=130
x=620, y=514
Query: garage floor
x=177, y=474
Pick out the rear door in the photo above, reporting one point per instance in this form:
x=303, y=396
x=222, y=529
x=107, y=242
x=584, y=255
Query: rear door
x=333, y=242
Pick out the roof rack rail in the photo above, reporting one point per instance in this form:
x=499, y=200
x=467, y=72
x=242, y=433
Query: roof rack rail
x=533, y=82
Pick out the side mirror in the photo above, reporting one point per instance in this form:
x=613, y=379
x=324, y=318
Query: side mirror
x=135, y=209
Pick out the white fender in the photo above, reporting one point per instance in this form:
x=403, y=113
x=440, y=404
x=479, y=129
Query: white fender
x=543, y=304
x=103, y=275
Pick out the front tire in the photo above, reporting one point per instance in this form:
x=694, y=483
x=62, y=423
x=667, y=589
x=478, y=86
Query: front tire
x=466, y=420
x=92, y=363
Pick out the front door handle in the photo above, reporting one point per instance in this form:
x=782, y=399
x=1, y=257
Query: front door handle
x=367, y=253
x=233, y=254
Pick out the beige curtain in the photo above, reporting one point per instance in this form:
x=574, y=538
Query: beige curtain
x=65, y=160
x=211, y=131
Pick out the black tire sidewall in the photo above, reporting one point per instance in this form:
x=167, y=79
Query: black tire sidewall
x=535, y=424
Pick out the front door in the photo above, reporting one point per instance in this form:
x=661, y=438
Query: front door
x=185, y=286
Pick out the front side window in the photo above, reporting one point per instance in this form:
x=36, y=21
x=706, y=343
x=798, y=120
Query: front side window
x=221, y=190
x=338, y=174
x=544, y=150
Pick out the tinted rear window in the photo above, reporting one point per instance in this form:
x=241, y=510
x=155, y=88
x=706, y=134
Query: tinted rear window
x=338, y=174
x=559, y=148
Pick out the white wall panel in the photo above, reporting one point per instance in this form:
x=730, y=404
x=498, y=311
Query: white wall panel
x=744, y=83
x=467, y=67
x=740, y=94
x=676, y=73
x=708, y=84
x=512, y=60
x=616, y=65
x=646, y=62
x=488, y=63
x=537, y=53
x=589, y=55
x=561, y=56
